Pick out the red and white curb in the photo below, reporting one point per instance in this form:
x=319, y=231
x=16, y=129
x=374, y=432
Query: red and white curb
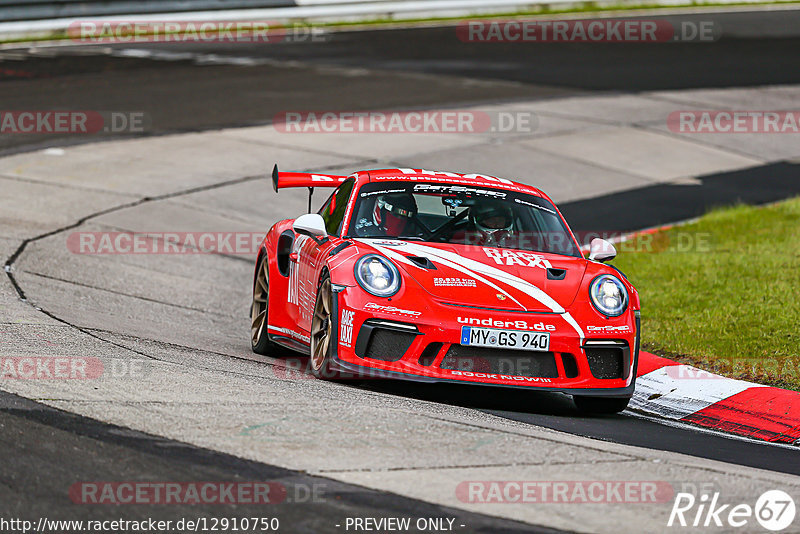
x=670, y=390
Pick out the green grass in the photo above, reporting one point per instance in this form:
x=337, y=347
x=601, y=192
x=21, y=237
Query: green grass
x=731, y=306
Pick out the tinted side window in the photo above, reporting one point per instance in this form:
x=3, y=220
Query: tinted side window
x=333, y=210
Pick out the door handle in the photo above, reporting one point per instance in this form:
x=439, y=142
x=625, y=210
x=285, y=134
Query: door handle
x=293, y=257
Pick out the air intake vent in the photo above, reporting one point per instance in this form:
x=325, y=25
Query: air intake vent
x=570, y=365
x=423, y=262
x=606, y=362
x=338, y=248
x=387, y=344
x=429, y=354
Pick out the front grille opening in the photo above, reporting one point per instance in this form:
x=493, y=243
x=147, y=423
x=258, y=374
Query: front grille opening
x=428, y=355
x=606, y=362
x=500, y=361
x=386, y=345
x=570, y=365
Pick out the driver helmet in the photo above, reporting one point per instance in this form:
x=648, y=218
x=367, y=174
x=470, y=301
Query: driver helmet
x=493, y=219
x=394, y=212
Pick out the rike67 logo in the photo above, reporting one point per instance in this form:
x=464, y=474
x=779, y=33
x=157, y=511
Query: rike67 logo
x=774, y=510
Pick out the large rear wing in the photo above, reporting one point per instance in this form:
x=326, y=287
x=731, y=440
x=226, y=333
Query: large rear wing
x=281, y=180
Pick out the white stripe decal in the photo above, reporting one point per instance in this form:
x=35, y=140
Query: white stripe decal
x=290, y=333
x=473, y=267
x=567, y=317
x=502, y=276
x=399, y=257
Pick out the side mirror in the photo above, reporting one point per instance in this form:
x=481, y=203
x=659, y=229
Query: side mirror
x=601, y=250
x=310, y=224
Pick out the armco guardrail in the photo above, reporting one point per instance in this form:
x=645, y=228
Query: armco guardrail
x=39, y=10
x=25, y=10
x=38, y=19
x=16, y=10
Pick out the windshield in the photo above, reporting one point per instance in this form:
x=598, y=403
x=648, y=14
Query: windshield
x=463, y=215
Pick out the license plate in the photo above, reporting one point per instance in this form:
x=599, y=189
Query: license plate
x=505, y=339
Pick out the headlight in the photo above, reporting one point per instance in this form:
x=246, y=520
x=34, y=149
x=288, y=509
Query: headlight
x=608, y=295
x=377, y=275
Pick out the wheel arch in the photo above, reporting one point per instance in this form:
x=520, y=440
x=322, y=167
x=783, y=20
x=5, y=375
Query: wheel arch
x=325, y=272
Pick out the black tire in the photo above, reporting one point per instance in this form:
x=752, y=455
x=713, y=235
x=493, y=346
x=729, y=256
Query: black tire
x=259, y=339
x=600, y=405
x=323, y=337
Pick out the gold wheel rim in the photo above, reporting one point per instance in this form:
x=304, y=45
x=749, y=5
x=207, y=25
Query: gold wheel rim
x=258, y=313
x=321, y=325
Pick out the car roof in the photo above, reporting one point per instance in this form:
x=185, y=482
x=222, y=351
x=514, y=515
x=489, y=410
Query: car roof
x=423, y=175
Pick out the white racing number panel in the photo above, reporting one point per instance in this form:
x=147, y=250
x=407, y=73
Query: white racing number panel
x=505, y=339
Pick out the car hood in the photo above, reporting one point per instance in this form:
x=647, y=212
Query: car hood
x=486, y=277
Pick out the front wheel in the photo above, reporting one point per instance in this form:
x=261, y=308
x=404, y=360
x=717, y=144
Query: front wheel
x=259, y=339
x=600, y=405
x=322, y=334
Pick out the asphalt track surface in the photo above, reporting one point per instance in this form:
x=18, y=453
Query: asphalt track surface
x=36, y=484
x=557, y=412
x=186, y=96
x=409, y=68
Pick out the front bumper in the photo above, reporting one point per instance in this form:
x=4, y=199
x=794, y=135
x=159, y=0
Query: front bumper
x=398, y=341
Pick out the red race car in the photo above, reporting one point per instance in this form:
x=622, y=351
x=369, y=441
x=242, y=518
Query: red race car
x=437, y=276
